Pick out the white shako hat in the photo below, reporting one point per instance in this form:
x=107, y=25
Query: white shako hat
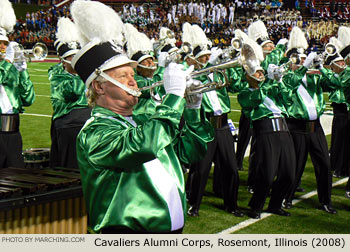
x=336, y=57
x=168, y=43
x=297, y=42
x=138, y=45
x=67, y=37
x=7, y=19
x=252, y=66
x=344, y=38
x=100, y=30
x=186, y=37
x=257, y=31
x=200, y=42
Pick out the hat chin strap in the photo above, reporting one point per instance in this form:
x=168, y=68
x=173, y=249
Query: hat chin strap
x=133, y=92
x=258, y=79
x=147, y=67
x=341, y=67
x=66, y=61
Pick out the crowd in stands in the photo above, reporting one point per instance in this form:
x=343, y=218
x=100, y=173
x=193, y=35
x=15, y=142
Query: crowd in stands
x=218, y=19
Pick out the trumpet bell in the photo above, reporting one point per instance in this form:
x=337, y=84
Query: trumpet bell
x=40, y=51
x=330, y=49
x=237, y=44
x=250, y=62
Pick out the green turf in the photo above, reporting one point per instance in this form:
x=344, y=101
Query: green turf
x=306, y=218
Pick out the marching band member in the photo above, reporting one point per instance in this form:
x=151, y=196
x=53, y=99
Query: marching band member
x=16, y=91
x=216, y=105
x=130, y=165
x=139, y=48
x=338, y=151
x=70, y=107
x=264, y=103
x=304, y=121
x=344, y=38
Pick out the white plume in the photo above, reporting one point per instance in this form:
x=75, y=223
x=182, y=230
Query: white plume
x=67, y=31
x=297, y=39
x=138, y=41
x=187, y=33
x=257, y=30
x=163, y=34
x=96, y=21
x=336, y=42
x=257, y=49
x=7, y=15
x=199, y=37
x=129, y=29
x=344, y=36
x=241, y=35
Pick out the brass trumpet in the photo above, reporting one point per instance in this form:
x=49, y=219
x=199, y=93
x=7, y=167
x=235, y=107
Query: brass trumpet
x=161, y=42
x=233, y=50
x=39, y=52
x=247, y=55
x=176, y=56
x=330, y=50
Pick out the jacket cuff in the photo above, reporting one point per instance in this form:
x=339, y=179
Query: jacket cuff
x=192, y=115
x=175, y=102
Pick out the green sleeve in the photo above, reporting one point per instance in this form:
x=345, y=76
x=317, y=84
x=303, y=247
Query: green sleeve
x=197, y=132
x=26, y=89
x=116, y=144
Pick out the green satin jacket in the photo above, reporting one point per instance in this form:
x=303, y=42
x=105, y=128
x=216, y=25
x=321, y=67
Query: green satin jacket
x=267, y=101
x=344, y=79
x=308, y=101
x=145, y=102
x=67, y=91
x=19, y=90
x=217, y=102
x=274, y=57
x=131, y=174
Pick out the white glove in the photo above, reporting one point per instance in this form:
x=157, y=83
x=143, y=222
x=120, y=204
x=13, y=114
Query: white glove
x=20, y=66
x=215, y=54
x=193, y=101
x=310, y=59
x=175, y=79
x=318, y=62
x=162, y=59
x=282, y=41
x=10, y=52
x=274, y=72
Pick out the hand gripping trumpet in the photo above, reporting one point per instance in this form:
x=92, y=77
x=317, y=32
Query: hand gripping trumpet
x=39, y=52
x=233, y=50
x=243, y=59
x=329, y=50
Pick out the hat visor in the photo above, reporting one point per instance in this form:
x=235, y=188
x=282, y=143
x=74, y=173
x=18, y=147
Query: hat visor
x=4, y=38
x=144, y=57
x=112, y=63
x=69, y=53
x=201, y=53
x=336, y=59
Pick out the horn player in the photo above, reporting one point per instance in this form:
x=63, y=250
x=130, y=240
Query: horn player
x=263, y=101
x=16, y=91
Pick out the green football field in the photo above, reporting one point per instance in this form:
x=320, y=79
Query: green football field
x=306, y=218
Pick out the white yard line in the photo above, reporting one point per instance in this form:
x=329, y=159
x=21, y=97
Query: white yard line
x=38, y=75
x=42, y=95
x=28, y=114
x=248, y=222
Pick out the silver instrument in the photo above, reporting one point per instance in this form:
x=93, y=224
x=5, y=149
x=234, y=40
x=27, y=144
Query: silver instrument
x=330, y=50
x=233, y=50
x=39, y=51
x=246, y=57
x=161, y=42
